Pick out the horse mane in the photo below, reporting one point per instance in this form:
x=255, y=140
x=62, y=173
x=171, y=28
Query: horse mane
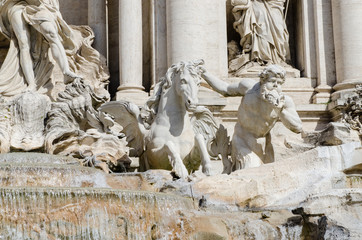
x=151, y=106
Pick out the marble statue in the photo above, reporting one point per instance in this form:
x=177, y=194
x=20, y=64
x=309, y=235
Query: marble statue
x=263, y=31
x=163, y=134
x=74, y=127
x=38, y=37
x=52, y=83
x=262, y=105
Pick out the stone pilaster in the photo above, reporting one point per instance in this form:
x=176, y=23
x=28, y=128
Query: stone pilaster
x=97, y=20
x=324, y=51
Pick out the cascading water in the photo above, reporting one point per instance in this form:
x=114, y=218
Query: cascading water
x=52, y=198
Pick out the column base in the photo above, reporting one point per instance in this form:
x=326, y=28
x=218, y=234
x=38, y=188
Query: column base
x=136, y=96
x=323, y=94
x=347, y=85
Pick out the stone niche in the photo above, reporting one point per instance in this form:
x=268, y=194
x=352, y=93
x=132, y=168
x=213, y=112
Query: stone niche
x=312, y=53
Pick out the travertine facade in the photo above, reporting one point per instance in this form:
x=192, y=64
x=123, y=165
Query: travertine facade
x=324, y=39
x=55, y=99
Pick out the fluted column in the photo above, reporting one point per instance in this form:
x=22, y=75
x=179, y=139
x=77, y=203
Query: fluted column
x=347, y=27
x=130, y=48
x=197, y=29
x=97, y=20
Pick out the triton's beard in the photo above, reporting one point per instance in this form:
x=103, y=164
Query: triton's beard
x=273, y=96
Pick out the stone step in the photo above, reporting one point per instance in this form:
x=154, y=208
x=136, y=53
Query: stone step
x=36, y=158
x=60, y=175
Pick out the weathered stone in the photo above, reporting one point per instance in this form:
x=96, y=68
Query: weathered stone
x=335, y=134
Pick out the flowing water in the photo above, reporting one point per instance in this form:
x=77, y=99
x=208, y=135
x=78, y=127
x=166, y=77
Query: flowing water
x=52, y=197
x=47, y=197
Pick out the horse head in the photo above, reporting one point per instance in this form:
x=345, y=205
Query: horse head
x=185, y=77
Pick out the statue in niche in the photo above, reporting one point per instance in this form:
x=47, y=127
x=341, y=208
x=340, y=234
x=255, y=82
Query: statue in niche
x=264, y=35
x=263, y=103
x=162, y=133
x=39, y=37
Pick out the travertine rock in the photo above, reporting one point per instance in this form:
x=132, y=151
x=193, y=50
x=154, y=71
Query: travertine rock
x=285, y=183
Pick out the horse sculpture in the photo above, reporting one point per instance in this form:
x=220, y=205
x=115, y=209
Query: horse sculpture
x=162, y=133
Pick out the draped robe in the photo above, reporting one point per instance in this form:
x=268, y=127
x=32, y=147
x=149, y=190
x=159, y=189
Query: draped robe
x=75, y=40
x=263, y=32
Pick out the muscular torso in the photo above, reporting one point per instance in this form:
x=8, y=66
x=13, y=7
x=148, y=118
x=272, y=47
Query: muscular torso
x=255, y=115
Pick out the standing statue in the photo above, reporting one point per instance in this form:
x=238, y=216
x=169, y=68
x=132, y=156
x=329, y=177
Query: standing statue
x=163, y=134
x=263, y=103
x=263, y=32
x=33, y=27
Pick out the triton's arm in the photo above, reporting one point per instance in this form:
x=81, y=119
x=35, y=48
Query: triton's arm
x=225, y=89
x=290, y=117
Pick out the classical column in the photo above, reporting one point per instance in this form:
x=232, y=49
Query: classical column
x=197, y=29
x=347, y=28
x=130, y=49
x=159, y=63
x=325, y=50
x=97, y=20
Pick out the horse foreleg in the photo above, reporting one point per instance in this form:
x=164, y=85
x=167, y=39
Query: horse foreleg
x=175, y=160
x=205, y=157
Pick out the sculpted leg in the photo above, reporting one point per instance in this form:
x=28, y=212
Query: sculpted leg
x=21, y=32
x=48, y=30
x=205, y=158
x=175, y=160
x=245, y=153
x=269, y=150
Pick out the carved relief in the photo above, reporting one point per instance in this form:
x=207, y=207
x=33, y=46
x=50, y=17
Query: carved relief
x=352, y=112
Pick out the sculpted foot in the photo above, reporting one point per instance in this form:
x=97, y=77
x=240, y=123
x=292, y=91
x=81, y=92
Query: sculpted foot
x=31, y=88
x=70, y=77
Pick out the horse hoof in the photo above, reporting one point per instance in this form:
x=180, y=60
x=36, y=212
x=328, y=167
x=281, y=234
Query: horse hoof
x=206, y=170
x=181, y=172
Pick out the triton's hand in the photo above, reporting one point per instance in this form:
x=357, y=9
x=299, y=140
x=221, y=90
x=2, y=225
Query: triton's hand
x=275, y=98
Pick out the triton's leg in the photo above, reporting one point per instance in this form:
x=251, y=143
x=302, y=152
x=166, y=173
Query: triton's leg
x=246, y=152
x=269, y=150
x=51, y=35
x=21, y=32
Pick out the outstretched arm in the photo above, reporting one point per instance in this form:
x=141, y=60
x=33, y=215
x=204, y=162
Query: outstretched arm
x=290, y=117
x=225, y=89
